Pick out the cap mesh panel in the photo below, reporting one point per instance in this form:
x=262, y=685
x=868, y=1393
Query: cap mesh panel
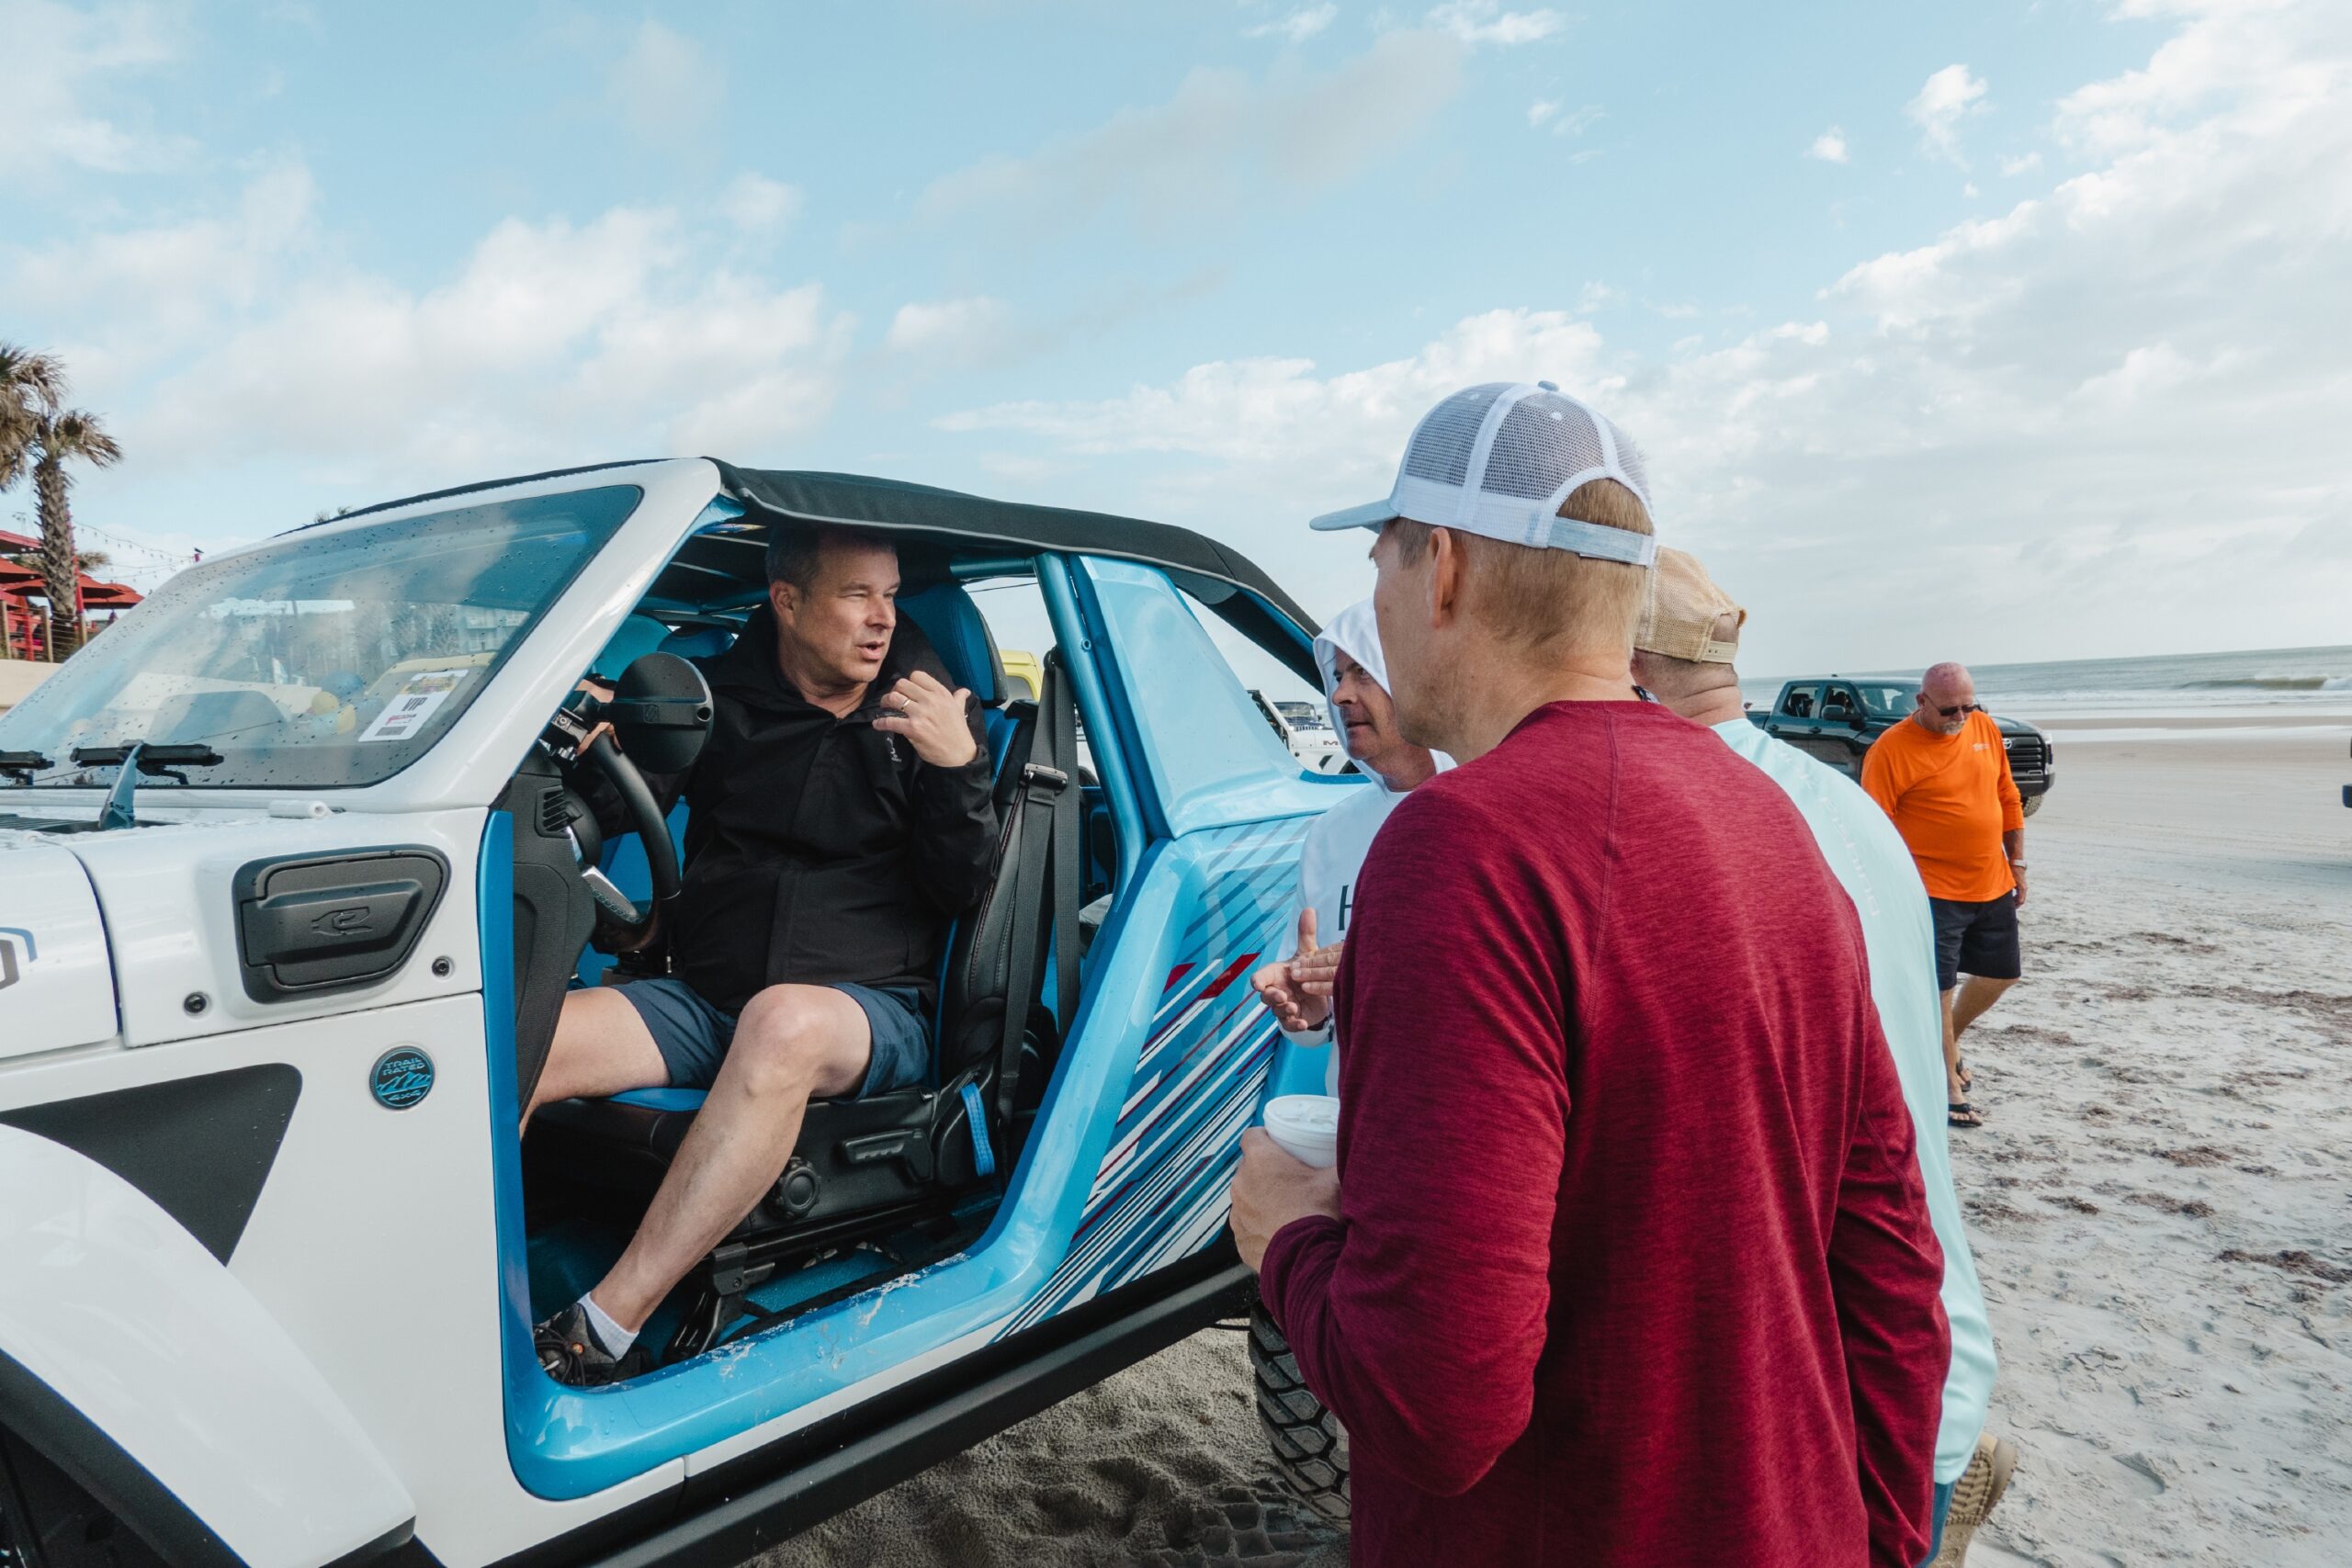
x=1441, y=448
x=1629, y=457
x=1542, y=442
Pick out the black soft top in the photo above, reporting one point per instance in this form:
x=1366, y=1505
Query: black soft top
x=856, y=500
x=953, y=524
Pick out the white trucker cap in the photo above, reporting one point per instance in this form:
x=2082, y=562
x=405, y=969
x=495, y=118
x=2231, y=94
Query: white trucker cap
x=1499, y=459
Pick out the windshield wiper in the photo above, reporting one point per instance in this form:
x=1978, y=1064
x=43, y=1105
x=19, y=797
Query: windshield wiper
x=135, y=758
x=22, y=765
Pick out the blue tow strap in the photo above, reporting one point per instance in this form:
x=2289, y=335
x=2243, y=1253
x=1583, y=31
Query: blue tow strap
x=983, y=1157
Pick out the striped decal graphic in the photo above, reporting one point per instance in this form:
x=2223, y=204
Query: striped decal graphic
x=1161, y=1190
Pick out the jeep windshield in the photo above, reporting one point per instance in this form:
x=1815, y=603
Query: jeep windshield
x=322, y=658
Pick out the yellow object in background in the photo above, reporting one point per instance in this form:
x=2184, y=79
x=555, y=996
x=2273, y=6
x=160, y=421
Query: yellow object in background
x=1025, y=668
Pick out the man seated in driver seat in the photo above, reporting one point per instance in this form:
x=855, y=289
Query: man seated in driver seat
x=840, y=818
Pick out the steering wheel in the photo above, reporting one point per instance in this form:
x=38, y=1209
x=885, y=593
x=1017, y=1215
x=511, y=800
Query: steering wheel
x=621, y=925
x=659, y=713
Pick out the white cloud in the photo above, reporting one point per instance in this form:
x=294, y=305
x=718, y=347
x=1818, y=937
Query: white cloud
x=1298, y=27
x=1597, y=296
x=757, y=204
x=958, y=332
x=1947, y=97
x=669, y=92
x=244, y=336
x=1263, y=443
x=2012, y=167
x=1484, y=21
x=2105, y=420
x=1547, y=112
x=61, y=60
x=1221, y=140
x=1829, y=146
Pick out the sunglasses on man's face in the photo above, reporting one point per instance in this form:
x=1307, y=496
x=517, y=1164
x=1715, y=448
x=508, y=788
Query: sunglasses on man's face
x=1958, y=708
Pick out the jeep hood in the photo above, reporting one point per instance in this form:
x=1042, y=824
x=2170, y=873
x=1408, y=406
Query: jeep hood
x=56, y=985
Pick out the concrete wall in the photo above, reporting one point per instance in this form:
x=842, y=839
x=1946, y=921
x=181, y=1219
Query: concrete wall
x=19, y=676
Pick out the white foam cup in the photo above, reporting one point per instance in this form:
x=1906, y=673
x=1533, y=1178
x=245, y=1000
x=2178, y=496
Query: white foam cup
x=1307, y=1126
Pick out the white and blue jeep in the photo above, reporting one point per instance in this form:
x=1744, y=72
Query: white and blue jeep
x=293, y=880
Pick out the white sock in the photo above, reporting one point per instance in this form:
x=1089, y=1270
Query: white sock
x=610, y=1335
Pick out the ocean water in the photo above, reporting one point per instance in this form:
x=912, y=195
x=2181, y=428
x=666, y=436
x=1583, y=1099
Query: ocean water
x=2310, y=679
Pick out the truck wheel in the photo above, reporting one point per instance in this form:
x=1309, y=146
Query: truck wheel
x=1310, y=1446
x=2031, y=804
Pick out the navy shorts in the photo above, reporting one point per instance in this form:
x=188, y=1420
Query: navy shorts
x=1975, y=939
x=692, y=1035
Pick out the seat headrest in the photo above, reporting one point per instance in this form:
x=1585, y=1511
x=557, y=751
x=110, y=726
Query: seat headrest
x=637, y=634
x=955, y=628
x=699, y=642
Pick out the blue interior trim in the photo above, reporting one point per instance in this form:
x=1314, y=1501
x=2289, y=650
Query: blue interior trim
x=1077, y=649
x=526, y=1384
x=1199, y=749
x=664, y=1098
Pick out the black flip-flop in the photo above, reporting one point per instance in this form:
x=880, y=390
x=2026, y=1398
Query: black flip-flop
x=1967, y=1079
x=1960, y=1113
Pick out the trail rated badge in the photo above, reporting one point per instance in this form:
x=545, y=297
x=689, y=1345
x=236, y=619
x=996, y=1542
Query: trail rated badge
x=401, y=1076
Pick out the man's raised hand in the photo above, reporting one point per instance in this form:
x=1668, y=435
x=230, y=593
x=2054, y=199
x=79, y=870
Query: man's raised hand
x=1316, y=971
x=1294, y=1007
x=931, y=718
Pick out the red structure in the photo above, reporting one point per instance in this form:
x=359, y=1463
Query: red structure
x=26, y=627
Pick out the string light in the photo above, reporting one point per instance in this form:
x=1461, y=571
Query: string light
x=152, y=562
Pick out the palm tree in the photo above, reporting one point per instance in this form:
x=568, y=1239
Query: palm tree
x=64, y=435
x=31, y=386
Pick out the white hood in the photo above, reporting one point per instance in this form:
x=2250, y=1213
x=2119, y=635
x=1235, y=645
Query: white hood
x=56, y=984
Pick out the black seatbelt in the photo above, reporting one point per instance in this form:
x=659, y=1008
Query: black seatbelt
x=1048, y=800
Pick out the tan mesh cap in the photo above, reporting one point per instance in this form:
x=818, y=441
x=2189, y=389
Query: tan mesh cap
x=1679, y=614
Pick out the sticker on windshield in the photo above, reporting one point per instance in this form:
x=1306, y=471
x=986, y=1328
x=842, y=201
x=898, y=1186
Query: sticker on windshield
x=410, y=706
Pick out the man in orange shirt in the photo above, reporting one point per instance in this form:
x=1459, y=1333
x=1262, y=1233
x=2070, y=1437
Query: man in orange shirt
x=1944, y=776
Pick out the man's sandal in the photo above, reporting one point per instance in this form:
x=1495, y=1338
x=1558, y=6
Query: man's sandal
x=1967, y=1079
x=1960, y=1113
x=1972, y=1496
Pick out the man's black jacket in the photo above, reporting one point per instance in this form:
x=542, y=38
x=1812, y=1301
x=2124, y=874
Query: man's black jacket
x=817, y=849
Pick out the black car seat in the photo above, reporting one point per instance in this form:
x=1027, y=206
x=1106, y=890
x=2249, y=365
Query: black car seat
x=864, y=1165
x=946, y=616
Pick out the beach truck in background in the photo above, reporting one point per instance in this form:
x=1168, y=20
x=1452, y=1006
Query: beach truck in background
x=1837, y=719
x=295, y=876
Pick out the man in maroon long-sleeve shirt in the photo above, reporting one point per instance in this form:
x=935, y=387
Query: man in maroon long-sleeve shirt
x=1627, y=1260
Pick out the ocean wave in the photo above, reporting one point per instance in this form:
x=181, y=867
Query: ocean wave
x=2273, y=683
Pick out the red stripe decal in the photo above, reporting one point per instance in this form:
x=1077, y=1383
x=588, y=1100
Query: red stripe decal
x=1173, y=976
x=1229, y=975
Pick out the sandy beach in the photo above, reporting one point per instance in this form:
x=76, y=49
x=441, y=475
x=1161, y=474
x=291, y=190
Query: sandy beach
x=2158, y=1208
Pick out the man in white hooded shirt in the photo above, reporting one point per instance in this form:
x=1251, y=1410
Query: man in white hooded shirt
x=1297, y=987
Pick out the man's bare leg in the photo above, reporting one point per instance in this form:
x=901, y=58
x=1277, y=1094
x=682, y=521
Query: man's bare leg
x=1976, y=994
x=601, y=1047
x=793, y=1044
x=1953, y=1089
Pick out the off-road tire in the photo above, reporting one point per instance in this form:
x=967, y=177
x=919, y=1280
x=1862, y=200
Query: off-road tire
x=2031, y=804
x=1310, y=1446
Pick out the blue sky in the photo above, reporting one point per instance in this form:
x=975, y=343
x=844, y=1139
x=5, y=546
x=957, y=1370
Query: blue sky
x=2000, y=332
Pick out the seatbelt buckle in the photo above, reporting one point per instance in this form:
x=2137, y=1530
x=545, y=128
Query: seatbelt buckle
x=1038, y=773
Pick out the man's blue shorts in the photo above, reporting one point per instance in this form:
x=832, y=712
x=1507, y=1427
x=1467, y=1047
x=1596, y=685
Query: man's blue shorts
x=692, y=1035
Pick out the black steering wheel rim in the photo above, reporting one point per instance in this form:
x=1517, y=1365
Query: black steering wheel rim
x=621, y=923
